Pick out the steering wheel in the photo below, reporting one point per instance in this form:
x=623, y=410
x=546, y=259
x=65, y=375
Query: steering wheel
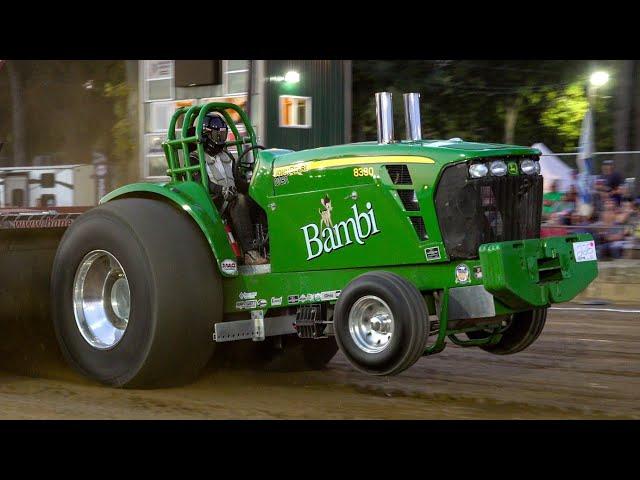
x=251, y=148
x=241, y=182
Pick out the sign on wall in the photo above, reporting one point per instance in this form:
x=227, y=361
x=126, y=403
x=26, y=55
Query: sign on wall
x=159, y=69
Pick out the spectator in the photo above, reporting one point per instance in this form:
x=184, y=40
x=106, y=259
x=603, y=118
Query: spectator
x=577, y=219
x=625, y=213
x=551, y=200
x=569, y=200
x=626, y=192
x=613, y=181
x=611, y=215
x=610, y=240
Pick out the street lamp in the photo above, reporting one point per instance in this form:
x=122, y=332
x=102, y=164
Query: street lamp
x=598, y=79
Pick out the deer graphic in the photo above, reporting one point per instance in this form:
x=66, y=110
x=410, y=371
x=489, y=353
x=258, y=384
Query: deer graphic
x=325, y=212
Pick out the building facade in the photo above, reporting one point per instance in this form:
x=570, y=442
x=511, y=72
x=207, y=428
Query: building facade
x=48, y=186
x=295, y=104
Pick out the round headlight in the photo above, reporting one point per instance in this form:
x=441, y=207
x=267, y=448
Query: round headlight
x=528, y=166
x=498, y=168
x=478, y=170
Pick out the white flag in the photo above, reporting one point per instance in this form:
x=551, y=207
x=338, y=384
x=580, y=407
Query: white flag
x=586, y=148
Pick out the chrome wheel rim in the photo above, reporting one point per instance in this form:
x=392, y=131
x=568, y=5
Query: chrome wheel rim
x=101, y=299
x=371, y=324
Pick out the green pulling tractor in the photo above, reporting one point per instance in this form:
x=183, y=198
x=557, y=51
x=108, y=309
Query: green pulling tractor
x=381, y=249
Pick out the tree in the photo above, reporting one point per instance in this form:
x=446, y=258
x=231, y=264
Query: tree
x=122, y=149
x=19, y=147
x=512, y=108
x=624, y=94
x=483, y=100
x=565, y=113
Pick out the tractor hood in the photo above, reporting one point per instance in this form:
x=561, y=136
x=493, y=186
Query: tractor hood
x=282, y=171
x=440, y=151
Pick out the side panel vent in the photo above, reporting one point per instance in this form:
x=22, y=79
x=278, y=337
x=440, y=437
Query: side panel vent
x=409, y=200
x=399, y=174
x=418, y=225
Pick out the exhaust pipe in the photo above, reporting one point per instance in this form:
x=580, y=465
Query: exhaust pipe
x=384, y=117
x=412, y=116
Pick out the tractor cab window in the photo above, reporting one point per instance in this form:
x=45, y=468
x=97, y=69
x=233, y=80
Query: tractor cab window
x=295, y=112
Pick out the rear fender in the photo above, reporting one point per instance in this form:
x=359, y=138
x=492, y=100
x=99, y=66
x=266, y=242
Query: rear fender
x=193, y=199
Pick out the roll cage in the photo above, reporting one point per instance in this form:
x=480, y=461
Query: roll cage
x=179, y=168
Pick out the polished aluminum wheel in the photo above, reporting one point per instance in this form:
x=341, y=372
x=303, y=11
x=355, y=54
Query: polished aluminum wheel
x=371, y=324
x=101, y=299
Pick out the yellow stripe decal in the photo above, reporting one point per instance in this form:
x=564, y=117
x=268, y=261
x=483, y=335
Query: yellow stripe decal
x=300, y=168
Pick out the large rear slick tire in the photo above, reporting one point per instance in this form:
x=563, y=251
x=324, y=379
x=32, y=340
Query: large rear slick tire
x=523, y=329
x=381, y=323
x=136, y=293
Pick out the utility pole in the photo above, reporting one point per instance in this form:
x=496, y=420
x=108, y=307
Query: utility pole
x=596, y=79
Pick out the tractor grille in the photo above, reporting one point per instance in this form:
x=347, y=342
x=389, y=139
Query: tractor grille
x=399, y=174
x=409, y=200
x=489, y=209
x=418, y=225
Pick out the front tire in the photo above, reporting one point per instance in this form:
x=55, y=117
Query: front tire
x=381, y=323
x=136, y=293
x=524, y=328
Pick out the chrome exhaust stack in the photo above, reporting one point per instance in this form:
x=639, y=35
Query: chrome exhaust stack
x=412, y=117
x=384, y=117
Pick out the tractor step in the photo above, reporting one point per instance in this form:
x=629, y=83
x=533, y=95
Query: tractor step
x=311, y=323
x=256, y=328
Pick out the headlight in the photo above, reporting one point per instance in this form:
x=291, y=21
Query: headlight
x=478, y=170
x=498, y=168
x=537, y=167
x=528, y=166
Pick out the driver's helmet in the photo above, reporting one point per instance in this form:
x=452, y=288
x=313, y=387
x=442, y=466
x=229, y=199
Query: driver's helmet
x=214, y=133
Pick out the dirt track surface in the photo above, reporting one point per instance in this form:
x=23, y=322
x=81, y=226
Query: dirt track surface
x=584, y=365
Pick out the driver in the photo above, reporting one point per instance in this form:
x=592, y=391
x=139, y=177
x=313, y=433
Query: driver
x=220, y=166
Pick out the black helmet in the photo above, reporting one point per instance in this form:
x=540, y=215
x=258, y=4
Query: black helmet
x=214, y=133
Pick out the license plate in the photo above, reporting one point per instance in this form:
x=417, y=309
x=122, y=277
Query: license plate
x=584, y=251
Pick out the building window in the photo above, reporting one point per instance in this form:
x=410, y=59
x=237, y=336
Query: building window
x=157, y=118
x=295, y=112
x=191, y=73
x=156, y=163
x=236, y=77
x=17, y=198
x=158, y=80
x=158, y=114
x=48, y=200
x=48, y=180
